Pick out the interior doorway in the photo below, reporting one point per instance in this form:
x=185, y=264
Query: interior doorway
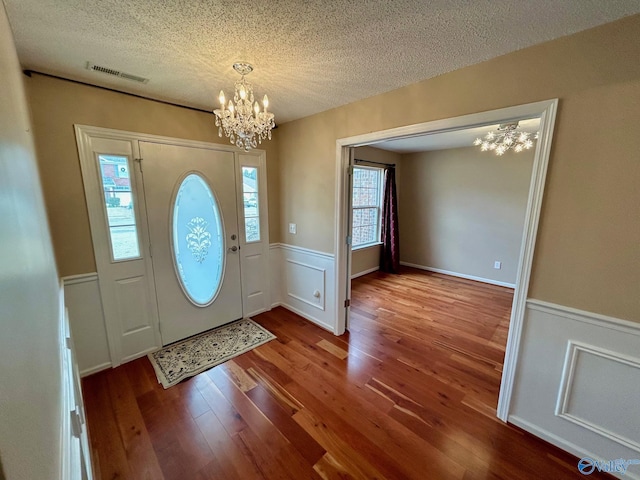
x=545, y=111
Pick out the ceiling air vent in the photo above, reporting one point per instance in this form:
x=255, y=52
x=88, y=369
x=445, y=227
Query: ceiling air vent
x=116, y=73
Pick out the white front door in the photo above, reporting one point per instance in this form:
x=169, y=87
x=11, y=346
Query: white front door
x=191, y=199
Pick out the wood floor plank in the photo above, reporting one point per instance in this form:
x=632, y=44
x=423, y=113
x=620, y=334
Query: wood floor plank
x=259, y=423
x=330, y=469
x=343, y=457
x=108, y=452
x=141, y=458
x=282, y=419
x=232, y=462
x=333, y=349
x=410, y=392
x=178, y=443
x=239, y=376
x=220, y=406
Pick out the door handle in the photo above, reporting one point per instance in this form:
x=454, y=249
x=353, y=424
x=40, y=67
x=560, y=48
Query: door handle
x=233, y=249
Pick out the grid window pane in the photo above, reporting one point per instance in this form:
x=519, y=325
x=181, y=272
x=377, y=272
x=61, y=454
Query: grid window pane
x=366, y=200
x=251, y=200
x=118, y=203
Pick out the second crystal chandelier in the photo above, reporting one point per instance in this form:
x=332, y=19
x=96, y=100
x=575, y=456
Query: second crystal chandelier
x=507, y=137
x=242, y=120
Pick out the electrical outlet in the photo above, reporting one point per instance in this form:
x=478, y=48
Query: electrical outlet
x=292, y=228
x=497, y=265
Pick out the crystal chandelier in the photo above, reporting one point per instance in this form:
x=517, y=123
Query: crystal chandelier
x=507, y=137
x=242, y=120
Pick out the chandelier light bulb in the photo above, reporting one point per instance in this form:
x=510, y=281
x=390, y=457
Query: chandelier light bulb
x=508, y=136
x=242, y=122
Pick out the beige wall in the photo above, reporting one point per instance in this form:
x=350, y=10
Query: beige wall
x=364, y=259
x=462, y=209
x=30, y=312
x=56, y=105
x=587, y=253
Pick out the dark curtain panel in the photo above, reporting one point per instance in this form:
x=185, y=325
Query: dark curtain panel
x=390, y=254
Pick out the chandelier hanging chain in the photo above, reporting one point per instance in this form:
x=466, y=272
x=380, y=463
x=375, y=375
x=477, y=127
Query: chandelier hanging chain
x=507, y=137
x=242, y=120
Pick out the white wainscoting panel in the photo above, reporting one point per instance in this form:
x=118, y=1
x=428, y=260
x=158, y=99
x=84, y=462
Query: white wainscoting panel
x=578, y=382
x=305, y=283
x=82, y=298
x=302, y=281
x=594, y=377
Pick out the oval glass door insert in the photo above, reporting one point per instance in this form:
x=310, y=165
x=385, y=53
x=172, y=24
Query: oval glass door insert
x=197, y=240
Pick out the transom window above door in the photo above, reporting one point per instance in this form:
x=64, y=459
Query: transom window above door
x=366, y=204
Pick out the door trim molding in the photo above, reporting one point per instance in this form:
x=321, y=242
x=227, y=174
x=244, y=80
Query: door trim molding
x=84, y=134
x=546, y=110
x=148, y=137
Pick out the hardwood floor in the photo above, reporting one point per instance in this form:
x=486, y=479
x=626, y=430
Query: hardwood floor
x=409, y=393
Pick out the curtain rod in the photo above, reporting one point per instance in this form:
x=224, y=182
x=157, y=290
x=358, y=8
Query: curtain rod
x=391, y=165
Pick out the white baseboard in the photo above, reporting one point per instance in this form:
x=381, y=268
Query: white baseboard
x=95, y=369
x=633, y=473
x=305, y=315
x=365, y=272
x=460, y=275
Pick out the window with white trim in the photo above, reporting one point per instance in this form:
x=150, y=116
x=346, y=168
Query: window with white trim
x=251, y=199
x=367, y=206
x=118, y=205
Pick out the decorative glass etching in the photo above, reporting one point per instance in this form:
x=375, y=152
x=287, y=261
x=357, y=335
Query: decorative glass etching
x=198, y=240
x=251, y=204
x=118, y=204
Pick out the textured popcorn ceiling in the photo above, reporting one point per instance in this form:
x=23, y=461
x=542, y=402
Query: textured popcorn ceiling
x=308, y=56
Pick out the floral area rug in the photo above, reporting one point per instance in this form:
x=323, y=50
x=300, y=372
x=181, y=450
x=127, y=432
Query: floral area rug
x=189, y=357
